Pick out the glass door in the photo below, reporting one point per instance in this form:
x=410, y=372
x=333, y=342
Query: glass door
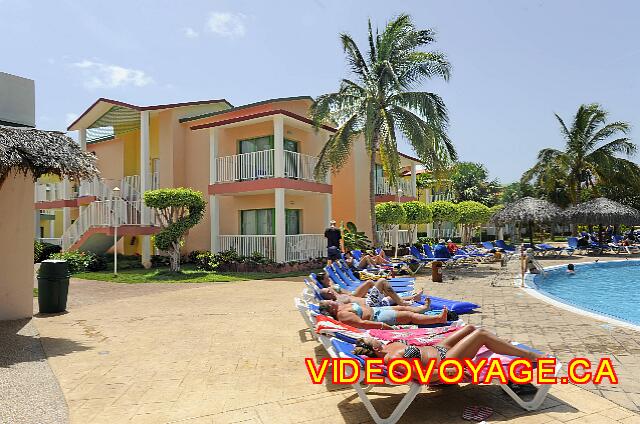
x=291, y=160
x=292, y=221
x=252, y=166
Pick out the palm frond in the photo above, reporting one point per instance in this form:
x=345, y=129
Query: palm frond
x=354, y=57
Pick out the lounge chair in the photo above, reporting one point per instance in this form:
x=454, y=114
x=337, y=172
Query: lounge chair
x=343, y=349
x=342, y=266
x=341, y=279
x=506, y=247
x=488, y=245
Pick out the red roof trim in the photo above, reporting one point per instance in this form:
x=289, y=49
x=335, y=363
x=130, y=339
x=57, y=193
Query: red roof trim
x=260, y=115
x=152, y=107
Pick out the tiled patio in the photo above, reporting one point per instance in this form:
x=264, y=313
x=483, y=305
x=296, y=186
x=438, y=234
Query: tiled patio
x=233, y=352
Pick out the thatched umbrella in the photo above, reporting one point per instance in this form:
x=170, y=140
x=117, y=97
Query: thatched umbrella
x=528, y=211
x=600, y=212
x=28, y=150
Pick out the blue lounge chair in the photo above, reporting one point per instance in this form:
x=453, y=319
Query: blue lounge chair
x=488, y=245
x=349, y=277
x=504, y=246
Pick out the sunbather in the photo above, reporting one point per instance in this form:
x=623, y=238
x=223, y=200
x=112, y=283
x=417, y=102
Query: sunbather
x=370, y=294
x=464, y=343
x=365, y=262
x=383, y=317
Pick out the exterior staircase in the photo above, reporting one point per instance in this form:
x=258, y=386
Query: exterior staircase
x=94, y=229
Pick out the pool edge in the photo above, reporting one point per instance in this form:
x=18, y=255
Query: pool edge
x=530, y=289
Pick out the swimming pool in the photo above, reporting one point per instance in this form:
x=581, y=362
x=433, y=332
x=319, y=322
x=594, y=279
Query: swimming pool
x=608, y=288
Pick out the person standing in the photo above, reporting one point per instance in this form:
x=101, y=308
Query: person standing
x=335, y=243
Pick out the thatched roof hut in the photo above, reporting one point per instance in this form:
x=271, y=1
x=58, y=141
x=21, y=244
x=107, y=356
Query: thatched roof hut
x=602, y=211
x=527, y=211
x=28, y=150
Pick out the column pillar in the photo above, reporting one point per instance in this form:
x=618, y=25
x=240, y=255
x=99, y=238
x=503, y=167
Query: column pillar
x=52, y=232
x=145, y=184
x=214, y=210
x=36, y=223
x=278, y=146
x=82, y=138
x=214, y=136
x=413, y=180
x=66, y=211
x=280, y=225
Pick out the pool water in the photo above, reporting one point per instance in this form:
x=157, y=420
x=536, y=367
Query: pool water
x=608, y=288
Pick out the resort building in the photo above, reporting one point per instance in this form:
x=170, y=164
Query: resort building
x=255, y=163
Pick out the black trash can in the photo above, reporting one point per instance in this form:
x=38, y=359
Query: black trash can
x=53, y=286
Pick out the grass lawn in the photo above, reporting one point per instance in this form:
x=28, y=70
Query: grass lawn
x=189, y=274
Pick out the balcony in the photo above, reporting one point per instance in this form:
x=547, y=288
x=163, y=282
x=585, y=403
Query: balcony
x=440, y=196
x=298, y=247
x=49, y=192
x=261, y=165
x=384, y=188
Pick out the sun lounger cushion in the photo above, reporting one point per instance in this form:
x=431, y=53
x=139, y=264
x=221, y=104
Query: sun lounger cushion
x=453, y=305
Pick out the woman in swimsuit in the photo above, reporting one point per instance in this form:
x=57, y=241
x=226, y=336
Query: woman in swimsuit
x=382, y=317
x=464, y=343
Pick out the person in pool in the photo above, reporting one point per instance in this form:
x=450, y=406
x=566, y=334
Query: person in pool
x=464, y=343
x=383, y=317
x=571, y=269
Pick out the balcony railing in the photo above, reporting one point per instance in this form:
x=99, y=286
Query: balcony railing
x=261, y=164
x=108, y=213
x=388, y=237
x=50, y=240
x=47, y=192
x=383, y=187
x=298, y=247
x=436, y=197
x=301, y=247
x=129, y=187
x=248, y=245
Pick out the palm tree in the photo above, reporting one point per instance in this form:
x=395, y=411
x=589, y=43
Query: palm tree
x=592, y=155
x=379, y=101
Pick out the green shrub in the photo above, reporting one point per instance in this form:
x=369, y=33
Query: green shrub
x=82, y=261
x=97, y=263
x=206, y=261
x=37, y=251
x=354, y=239
x=179, y=209
x=158, y=261
x=43, y=251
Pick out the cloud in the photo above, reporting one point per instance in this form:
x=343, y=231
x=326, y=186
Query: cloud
x=102, y=75
x=190, y=32
x=226, y=24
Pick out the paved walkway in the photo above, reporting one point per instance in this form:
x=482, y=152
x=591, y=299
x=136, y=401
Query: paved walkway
x=233, y=352
x=29, y=392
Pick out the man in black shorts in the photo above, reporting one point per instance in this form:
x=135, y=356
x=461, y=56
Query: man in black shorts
x=335, y=244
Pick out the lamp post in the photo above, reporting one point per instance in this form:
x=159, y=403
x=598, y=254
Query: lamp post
x=114, y=207
x=399, y=192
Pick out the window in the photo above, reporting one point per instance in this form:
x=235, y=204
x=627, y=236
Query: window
x=292, y=221
x=259, y=144
x=257, y=222
x=262, y=221
x=255, y=144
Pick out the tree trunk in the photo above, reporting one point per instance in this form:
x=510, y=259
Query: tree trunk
x=531, y=233
x=174, y=257
x=372, y=193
